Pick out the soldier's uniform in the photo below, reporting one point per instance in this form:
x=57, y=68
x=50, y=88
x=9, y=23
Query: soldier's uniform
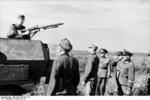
x=90, y=75
x=103, y=73
x=13, y=31
x=126, y=76
x=65, y=74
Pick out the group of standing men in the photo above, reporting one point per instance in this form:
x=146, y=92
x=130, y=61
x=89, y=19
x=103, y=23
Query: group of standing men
x=98, y=71
x=65, y=76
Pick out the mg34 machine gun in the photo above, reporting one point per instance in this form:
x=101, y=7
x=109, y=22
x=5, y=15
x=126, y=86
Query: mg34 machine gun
x=33, y=30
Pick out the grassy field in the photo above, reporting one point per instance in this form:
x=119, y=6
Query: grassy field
x=142, y=79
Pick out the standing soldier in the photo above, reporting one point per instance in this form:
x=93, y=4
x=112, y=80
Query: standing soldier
x=103, y=72
x=127, y=75
x=65, y=72
x=89, y=78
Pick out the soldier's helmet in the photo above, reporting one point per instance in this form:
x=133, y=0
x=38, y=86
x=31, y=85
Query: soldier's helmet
x=127, y=53
x=94, y=47
x=65, y=44
x=102, y=50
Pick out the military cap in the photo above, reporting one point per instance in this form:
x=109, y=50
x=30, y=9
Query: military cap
x=102, y=50
x=119, y=53
x=127, y=53
x=21, y=16
x=93, y=46
x=65, y=44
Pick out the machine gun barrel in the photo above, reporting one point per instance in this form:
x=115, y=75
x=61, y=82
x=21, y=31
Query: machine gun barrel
x=51, y=26
x=43, y=27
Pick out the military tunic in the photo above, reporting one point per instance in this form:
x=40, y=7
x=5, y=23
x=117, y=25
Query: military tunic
x=64, y=76
x=103, y=72
x=126, y=77
x=90, y=75
x=104, y=67
x=13, y=32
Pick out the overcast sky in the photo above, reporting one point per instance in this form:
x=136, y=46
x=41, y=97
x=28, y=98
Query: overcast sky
x=111, y=24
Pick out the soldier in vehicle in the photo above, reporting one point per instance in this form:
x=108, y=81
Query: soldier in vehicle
x=16, y=30
x=127, y=75
x=64, y=76
x=103, y=72
x=89, y=79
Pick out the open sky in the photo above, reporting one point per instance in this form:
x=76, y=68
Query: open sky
x=111, y=24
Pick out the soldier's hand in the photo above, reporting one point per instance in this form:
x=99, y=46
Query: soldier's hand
x=128, y=91
x=82, y=83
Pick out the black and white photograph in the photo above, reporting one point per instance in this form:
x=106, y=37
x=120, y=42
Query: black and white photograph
x=74, y=48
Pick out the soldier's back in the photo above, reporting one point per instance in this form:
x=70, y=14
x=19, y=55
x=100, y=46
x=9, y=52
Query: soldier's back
x=68, y=73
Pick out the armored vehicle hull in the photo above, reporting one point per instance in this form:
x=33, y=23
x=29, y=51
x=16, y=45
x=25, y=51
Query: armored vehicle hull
x=23, y=61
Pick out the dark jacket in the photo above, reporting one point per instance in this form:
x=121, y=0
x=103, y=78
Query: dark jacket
x=127, y=72
x=64, y=76
x=13, y=31
x=91, y=68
